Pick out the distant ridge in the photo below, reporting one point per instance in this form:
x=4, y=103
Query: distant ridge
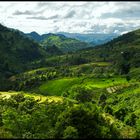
x=60, y=41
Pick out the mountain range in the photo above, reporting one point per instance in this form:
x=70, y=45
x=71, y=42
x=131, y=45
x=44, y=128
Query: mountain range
x=94, y=39
x=62, y=42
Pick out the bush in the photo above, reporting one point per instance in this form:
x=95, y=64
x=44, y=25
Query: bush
x=81, y=94
x=86, y=120
x=70, y=133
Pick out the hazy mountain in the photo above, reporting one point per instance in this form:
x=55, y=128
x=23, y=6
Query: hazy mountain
x=94, y=39
x=34, y=35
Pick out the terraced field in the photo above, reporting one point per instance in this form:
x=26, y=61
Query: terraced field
x=37, y=97
x=58, y=86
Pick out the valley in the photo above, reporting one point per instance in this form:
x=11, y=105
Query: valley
x=71, y=90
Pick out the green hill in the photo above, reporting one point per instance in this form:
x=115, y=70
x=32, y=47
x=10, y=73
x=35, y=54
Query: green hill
x=63, y=43
x=17, y=53
x=126, y=45
x=53, y=50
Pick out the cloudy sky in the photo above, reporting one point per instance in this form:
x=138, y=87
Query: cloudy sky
x=74, y=17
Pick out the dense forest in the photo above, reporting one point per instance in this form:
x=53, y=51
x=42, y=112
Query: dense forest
x=63, y=88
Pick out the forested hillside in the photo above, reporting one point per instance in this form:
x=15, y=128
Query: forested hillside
x=17, y=53
x=62, y=42
x=124, y=48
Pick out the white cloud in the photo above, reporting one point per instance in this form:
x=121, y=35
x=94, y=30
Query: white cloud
x=80, y=17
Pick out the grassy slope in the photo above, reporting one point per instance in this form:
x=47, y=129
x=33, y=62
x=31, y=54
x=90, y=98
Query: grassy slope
x=57, y=87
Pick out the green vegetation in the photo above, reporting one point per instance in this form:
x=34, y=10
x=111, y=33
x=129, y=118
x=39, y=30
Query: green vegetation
x=63, y=43
x=38, y=97
x=61, y=85
x=17, y=54
x=47, y=93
